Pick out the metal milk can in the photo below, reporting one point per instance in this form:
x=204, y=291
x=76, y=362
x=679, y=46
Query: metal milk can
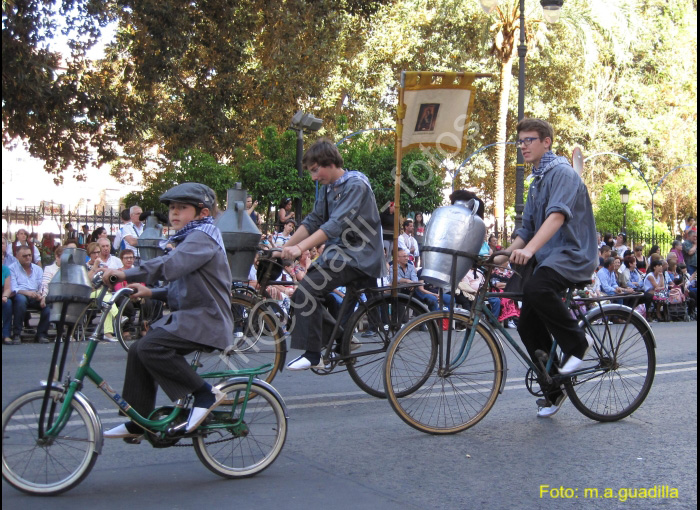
x=458, y=228
x=149, y=241
x=239, y=232
x=70, y=286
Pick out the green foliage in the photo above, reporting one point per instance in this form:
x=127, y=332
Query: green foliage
x=609, y=211
x=268, y=171
x=421, y=182
x=189, y=166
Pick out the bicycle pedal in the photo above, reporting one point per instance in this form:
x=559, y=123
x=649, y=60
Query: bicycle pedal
x=133, y=440
x=543, y=402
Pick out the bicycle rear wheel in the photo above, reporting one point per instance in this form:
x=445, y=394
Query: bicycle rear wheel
x=258, y=340
x=45, y=467
x=623, y=368
x=368, y=334
x=447, y=401
x=245, y=449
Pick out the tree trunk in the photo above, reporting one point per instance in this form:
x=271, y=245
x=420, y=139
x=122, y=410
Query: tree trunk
x=501, y=136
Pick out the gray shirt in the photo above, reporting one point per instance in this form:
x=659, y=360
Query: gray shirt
x=347, y=213
x=573, y=250
x=198, y=292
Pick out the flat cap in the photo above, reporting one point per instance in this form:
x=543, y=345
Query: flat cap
x=193, y=193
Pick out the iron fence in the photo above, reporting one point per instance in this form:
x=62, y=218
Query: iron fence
x=52, y=218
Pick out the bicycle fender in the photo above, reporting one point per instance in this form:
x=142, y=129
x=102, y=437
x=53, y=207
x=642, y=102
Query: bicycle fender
x=92, y=413
x=626, y=309
x=258, y=382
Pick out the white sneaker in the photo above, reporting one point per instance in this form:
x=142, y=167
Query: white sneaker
x=198, y=414
x=573, y=363
x=302, y=363
x=109, y=337
x=547, y=412
x=121, y=432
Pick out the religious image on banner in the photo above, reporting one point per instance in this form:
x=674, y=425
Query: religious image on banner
x=437, y=110
x=427, y=115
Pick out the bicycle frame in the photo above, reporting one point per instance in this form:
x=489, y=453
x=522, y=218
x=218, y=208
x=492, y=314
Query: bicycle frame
x=354, y=294
x=479, y=310
x=86, y=371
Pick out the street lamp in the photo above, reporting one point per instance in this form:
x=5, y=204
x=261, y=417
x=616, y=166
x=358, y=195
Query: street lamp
x=624, y=200
x=302, y=122
x=552, y=11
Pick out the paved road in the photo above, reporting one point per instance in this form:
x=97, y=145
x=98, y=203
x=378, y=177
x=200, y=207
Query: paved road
x=346, y=450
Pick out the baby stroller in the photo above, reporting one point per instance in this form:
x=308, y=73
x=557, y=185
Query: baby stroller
x=677, y=306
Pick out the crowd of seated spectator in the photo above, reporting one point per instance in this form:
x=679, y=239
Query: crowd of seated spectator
x=26, y=283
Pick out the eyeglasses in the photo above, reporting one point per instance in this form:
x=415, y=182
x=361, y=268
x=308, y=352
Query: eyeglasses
x=526, y=142
x=127, y=258
x=93, y=252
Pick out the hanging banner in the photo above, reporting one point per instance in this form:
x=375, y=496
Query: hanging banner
x=437, y=107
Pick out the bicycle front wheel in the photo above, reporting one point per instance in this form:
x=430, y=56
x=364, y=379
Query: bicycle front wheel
x=368, y=334
x=45, y=466
x=258, y=340
x=622, y=367
x=241, y=442
x=451, y=398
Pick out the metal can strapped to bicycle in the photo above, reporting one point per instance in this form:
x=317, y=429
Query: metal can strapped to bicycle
x=452, y=230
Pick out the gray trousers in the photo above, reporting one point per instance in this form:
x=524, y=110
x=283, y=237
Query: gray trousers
x=307, y=302
x=155, y=360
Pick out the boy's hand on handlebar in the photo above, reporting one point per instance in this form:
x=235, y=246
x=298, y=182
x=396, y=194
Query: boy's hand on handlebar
x=140, y=291
x=291, y=252
x=521, y=256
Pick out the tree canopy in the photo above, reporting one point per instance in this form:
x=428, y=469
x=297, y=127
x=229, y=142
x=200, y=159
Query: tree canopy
x=616, y=76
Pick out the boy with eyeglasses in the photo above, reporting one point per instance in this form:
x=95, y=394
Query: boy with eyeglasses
x=559, y=232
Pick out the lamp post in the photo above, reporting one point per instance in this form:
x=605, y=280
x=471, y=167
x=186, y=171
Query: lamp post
x=552, y=12
x=624, y=200
x=302, y=122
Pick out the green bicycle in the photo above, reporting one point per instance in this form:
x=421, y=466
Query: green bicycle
x=52, y=435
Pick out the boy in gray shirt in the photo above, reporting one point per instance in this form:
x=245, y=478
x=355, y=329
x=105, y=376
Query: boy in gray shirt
x=559, y=231
x=346, y=219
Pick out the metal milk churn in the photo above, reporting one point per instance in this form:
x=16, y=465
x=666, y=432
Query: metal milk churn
x=457, y=228
x=149, y=241
x=239, y=232
x=70, y=286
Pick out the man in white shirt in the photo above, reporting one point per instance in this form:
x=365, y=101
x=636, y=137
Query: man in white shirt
x=407, y=242
x=105, y=259
x=26, y=282
x=133, y=230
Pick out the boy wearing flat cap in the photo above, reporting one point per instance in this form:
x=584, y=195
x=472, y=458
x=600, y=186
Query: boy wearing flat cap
x=198, y=294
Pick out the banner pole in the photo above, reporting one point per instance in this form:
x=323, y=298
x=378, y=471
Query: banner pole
x=400, y=114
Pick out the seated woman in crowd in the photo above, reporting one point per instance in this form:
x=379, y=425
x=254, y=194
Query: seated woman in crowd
x=630, y=276
x=639, y=257
x=677, y=249
x=655, y=290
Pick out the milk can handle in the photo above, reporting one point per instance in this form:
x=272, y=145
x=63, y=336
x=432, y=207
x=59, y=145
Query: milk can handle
x=475, y=206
